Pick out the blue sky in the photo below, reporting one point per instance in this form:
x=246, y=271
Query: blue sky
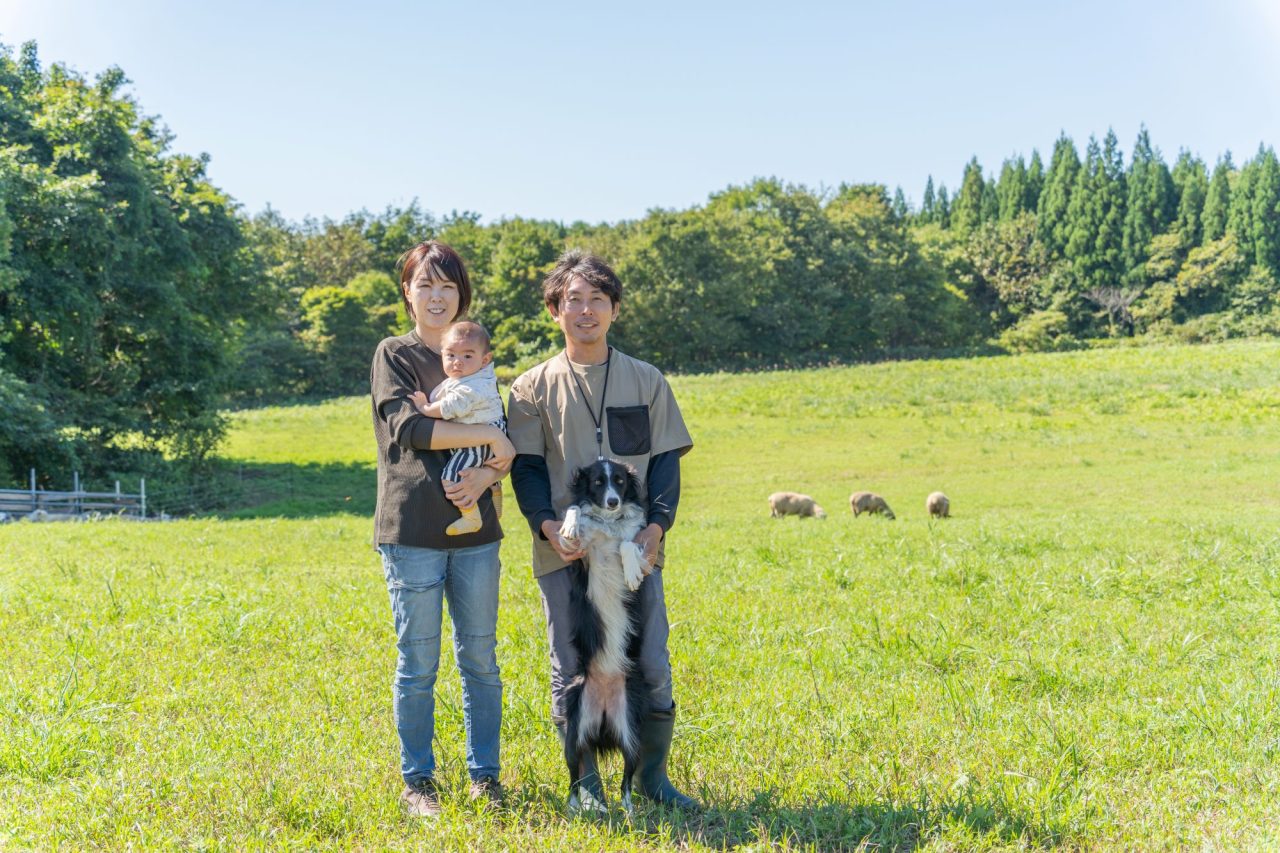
x=601, y=112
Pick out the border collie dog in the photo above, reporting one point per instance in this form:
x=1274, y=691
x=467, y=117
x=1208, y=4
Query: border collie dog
x=605, y=704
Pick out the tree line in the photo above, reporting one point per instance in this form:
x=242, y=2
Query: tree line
x=138, y=301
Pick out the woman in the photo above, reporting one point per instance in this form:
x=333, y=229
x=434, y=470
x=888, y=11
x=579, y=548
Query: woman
x=423, y=566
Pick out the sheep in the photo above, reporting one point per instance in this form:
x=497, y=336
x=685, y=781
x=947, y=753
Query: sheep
x=938, y=505
x=869, y=502
x=792, y=503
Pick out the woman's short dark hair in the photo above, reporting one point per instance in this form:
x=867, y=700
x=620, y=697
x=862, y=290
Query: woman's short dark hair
x=439, y=263
x=578, y=264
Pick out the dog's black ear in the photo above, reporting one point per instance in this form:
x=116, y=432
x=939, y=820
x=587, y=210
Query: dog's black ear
x=576, y=481
x=633, y=486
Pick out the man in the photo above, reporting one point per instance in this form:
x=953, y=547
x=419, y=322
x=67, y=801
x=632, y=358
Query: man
x=587, y=402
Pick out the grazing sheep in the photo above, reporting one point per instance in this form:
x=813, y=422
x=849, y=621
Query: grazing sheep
x=869, y=502
x=938, y=505
x=791, y=503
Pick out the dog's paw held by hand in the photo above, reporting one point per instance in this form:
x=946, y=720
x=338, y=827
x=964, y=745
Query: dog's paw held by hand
x=633, y=565
x=570, y=530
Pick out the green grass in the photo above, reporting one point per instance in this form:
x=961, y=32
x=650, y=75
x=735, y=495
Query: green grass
x=1085, y=656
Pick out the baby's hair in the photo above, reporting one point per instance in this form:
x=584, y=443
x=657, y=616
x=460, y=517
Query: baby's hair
x=470, y=332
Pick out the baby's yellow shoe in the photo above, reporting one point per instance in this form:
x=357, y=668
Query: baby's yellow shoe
x=469, y=523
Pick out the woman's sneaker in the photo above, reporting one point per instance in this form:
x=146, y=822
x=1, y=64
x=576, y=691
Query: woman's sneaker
x=487, y=790
x=421, y=800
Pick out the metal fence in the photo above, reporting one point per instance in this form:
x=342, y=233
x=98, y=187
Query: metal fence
x=77, y=503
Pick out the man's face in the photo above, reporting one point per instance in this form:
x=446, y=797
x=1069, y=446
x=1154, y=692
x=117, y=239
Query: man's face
x=462, y=357
x=585, y=314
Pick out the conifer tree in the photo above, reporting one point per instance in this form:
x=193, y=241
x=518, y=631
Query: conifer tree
x=1096, y=216
x=966, y=213
x=944, y=207
x=928, y=203
x=1034, y=184
x=1217, y=201
x=1150, y=205
x=1240, y=212
x=1266, y=210
x=1011, y=190
x=900, y=207
x=1192, y=184
x=1053, y=223
x=990, y=211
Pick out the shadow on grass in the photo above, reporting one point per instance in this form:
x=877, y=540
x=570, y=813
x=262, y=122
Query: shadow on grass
x=826, y=825
x=281, y=490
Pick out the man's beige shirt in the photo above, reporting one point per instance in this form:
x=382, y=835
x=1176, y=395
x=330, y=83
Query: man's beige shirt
x=547, y=416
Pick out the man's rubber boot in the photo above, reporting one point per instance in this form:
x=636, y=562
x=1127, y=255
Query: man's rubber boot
x=469, y=523
x=588, y=798
x=650, y=779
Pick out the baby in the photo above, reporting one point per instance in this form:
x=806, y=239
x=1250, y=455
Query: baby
x=469, y=396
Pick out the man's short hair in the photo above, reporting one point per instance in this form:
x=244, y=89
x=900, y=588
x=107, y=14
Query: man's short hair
x=468, y=331
x=576, y=263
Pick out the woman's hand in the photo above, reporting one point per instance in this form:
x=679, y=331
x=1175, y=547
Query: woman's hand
x=472, y=483
x=502, y=451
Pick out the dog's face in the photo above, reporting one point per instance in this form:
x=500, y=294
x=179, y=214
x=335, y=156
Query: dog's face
x=606, y=485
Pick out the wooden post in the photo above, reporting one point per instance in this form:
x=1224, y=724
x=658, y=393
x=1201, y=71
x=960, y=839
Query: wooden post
x=142, y=487
x=34, y=504
x=75, y=492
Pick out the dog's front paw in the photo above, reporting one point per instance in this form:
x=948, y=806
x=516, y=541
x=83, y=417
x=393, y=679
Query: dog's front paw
x=633, y=564
x=570, y=530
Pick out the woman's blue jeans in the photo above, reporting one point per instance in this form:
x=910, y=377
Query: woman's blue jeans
x=419, y=580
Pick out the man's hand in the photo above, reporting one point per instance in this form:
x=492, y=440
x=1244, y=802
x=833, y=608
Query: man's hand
x=648, y=540
x=470, y=485
x=568, y=551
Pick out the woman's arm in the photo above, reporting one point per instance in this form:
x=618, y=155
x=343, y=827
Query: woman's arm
x=448, y=435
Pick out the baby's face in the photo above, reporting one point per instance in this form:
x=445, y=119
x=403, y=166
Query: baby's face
x=463, y=358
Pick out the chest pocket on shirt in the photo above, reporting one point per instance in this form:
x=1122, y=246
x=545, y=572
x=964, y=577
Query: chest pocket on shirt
x=628, y=430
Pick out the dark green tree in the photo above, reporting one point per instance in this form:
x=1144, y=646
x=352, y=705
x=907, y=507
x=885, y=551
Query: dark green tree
x=1096, y=217
x=1011, y=189
x=1266, y=211
x=1034, y=184
x=1150, y=206
x=928, y=203
x=1191, y=182
x=899, y=206
x=966, y=211
x=944, y=207
x=1217, y=202
x=125, y=268
x=1053, y=219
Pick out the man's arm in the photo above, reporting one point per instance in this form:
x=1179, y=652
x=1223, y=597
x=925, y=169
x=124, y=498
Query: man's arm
x=532, y=485
x=663, y=483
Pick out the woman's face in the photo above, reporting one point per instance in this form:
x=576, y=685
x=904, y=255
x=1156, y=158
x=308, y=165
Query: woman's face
x=435, y=302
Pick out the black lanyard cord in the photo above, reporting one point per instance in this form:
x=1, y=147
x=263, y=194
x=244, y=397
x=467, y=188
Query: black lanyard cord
x=596, y=418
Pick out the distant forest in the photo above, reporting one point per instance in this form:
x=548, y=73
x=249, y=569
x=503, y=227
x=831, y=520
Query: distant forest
x=138, y=301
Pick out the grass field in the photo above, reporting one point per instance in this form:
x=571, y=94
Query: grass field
x=1086, y=656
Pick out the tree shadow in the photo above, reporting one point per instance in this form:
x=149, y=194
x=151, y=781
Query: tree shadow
x=270, y=490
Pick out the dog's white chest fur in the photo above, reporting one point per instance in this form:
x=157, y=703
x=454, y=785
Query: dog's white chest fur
x=614, y=564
